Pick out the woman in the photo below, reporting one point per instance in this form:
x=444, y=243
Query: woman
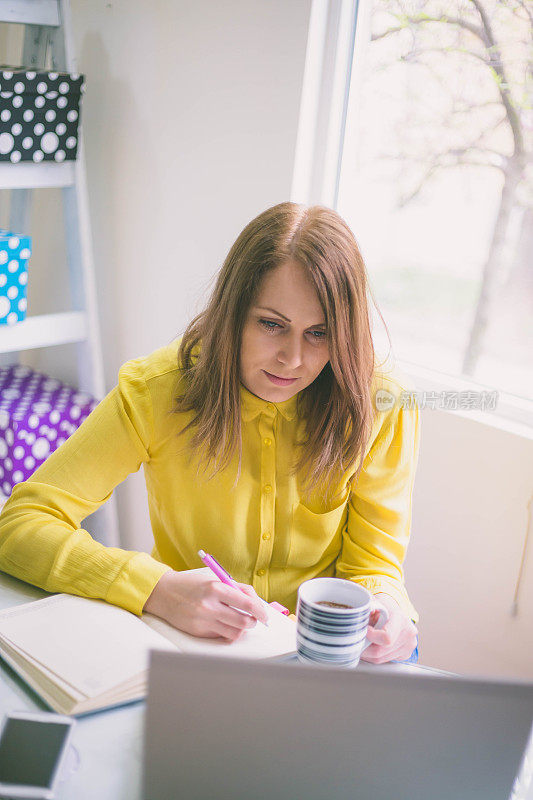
x=260, y=444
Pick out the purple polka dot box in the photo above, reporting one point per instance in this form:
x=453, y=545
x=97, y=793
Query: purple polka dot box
x=14, y=254
x=37, y=414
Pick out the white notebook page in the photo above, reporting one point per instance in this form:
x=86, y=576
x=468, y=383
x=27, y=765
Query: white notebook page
x=91, y=644
x=258, y=642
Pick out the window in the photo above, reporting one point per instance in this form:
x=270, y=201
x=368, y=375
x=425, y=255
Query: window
x=437, y=182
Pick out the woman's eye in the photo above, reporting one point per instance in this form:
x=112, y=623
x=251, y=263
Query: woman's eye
x=318, y=334
x=268, y=324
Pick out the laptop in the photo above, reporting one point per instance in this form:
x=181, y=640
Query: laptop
x=219, y=728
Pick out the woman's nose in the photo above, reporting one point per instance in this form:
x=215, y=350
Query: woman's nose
x=290, y=354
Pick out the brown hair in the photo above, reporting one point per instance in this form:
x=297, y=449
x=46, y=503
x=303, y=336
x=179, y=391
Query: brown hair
x=337, y=406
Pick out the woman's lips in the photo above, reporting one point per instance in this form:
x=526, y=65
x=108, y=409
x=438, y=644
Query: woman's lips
x=279, y=381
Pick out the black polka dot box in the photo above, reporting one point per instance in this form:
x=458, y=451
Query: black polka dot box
x=39, y=115
x=14, y=254
x=37, y=414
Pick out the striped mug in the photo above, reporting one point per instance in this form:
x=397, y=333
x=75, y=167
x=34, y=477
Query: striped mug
x=332, y=620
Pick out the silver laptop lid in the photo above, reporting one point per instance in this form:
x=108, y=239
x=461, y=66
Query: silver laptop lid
x=222, y=728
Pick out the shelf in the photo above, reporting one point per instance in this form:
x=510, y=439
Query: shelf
x=28, y=12
x=46, y=175
x=50, y=40
x=44, y=331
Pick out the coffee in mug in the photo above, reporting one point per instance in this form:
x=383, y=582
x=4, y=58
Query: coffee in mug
x=331, y=604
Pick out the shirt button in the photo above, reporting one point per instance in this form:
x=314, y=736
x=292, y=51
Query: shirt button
x=271, y=407
x=261, y=572
x=268, y=488
x=266, y=537
x=267, y=441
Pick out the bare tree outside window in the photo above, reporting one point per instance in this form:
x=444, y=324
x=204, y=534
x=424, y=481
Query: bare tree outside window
x=437, y=181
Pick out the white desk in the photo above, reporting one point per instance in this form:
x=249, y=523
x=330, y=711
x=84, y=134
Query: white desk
x=109, y=743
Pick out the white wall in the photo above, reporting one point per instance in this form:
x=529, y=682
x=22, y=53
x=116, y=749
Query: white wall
x=190, y=125
x=470, y=519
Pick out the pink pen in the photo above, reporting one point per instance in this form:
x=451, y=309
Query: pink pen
x=221, y=573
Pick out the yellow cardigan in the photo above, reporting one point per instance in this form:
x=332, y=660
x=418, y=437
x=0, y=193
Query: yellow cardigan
x=261, y=532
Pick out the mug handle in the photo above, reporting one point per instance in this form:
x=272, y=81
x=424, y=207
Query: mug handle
x=375, y=605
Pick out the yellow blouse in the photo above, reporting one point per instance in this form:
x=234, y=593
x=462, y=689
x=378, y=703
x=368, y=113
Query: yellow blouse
x=261, y=531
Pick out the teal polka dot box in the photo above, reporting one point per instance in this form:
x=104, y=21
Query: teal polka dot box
x=14, y=254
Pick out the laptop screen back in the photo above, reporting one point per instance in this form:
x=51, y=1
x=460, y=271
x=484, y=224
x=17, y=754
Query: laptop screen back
x=228, y=728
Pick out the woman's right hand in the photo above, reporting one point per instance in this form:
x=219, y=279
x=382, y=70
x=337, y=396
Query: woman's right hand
x=201, y=605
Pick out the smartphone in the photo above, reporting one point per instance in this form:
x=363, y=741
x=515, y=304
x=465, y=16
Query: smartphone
x=33, y=749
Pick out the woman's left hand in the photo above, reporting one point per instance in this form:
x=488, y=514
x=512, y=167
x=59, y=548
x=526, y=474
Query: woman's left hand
x=396, y=640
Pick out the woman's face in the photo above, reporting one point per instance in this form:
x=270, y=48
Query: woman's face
x=284, y=335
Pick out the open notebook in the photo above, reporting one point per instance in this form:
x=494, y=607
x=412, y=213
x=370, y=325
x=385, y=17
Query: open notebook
x=80, y=655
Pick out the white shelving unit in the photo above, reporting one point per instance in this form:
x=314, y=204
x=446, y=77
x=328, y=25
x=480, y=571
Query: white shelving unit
x=48, y=35
x=45, y=330
x=46, y=175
